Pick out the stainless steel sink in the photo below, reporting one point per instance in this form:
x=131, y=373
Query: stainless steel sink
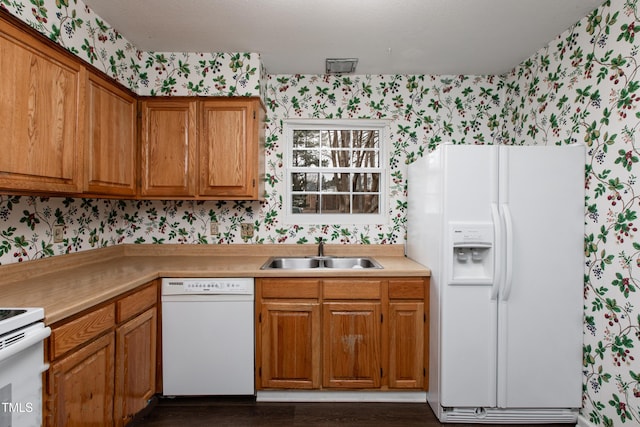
x=287, y=263
x=301, y=263
x=351, y=263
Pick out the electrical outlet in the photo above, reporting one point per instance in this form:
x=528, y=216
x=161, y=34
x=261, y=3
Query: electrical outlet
x=213, y=229
x=58, y=233
x=246, y=230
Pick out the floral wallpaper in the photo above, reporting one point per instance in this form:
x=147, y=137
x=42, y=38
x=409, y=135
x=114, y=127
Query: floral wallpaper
x=75, y=27
x=423, y=111
x=582, y=87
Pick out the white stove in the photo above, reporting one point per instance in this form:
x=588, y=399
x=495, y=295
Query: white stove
x=22, y=335
x=15, y=318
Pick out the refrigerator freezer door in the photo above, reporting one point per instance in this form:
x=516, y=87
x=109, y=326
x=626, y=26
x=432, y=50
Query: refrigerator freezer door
x=468, y=314
x=540, y=309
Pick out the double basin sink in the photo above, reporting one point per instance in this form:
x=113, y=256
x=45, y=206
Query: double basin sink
x=301, y=263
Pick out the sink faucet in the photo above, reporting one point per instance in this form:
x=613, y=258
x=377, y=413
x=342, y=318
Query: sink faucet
x=321, y=247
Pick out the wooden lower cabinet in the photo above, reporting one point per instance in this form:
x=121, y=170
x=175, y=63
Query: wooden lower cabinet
x=352, y=333
x=81, y=386
x=290, y=336
x=352, y=345
x=406, y=345
x=135, y=366
x=408, y=333
x=103, y=363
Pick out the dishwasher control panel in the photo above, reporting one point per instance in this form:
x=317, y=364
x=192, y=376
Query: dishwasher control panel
x=217, y=286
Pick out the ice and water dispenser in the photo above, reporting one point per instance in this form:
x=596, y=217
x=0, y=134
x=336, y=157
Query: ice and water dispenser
x=471, y=253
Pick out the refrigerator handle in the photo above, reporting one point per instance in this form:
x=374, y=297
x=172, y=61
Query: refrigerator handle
x=508, y=256
x=497, y=266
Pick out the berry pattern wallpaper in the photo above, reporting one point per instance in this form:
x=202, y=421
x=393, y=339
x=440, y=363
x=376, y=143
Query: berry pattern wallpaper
x=582, y=87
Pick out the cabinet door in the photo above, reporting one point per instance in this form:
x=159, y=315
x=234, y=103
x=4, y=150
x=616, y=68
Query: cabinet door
x=110, y=139
x=351, y=344
x=80, y=386
x=289, y=355
x=406, y=345
x=135, y=365
x=41, y=100
x=168, y=148
x=231, y=146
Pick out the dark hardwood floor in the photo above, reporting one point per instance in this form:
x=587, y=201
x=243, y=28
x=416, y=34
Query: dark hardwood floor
x=240, y=412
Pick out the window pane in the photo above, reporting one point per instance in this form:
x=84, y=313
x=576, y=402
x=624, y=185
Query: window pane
x=351, y=139
x=335, y=203
x=306, y=138
x=305, y=158
x=334, y=182
x=366, y=139
x=365, y=159
x=340, y=159
x=325, y=139
x=301, y=181
x=305, y=204
x=366, y=182
x=365, y=204
x=325, y=159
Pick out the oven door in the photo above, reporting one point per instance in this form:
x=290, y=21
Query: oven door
x=21, y=368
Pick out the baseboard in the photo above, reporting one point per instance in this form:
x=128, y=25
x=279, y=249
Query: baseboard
x=341, y=396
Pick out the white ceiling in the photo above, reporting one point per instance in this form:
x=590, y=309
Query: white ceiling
x=473, y=37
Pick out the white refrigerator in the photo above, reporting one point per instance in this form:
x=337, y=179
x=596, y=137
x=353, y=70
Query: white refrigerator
x=502, y=230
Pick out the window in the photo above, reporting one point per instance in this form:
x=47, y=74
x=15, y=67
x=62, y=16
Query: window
x=335, y=172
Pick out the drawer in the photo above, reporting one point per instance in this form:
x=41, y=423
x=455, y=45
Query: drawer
x=81, y=330
x=137, y=302
x=290, y=288
x=406, y=289
x=351, y=289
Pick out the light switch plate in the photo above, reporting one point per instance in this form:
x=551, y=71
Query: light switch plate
x=246, y=230
x=213, y=229
x=58, y=233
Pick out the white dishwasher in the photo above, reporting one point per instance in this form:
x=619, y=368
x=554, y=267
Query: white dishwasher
x=207, y=336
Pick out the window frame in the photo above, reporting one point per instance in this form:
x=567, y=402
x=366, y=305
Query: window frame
x=291, y=125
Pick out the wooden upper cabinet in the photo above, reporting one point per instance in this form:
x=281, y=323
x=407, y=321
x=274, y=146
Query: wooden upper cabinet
x=64, y=129
x=209, y=148
x=41, y=100
x=110, y=139
x=168, y=148
x=231, y=134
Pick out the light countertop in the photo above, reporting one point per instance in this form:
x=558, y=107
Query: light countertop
x=68, y=284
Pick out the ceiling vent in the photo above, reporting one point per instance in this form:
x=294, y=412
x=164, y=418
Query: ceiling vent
x=341, y=65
